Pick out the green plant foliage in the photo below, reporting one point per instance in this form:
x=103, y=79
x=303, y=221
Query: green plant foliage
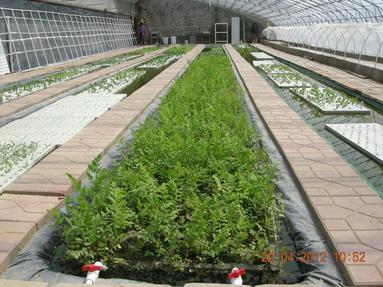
x=121, y=78
x=326, y=96
x=178, y=50
x=194, y=185
x=276, y=68
x=246, y=50
x=12, y=153
x=145, y=50
x=22, y=89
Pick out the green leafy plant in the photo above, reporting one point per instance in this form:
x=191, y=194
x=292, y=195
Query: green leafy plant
x=120, y=79
x=194, y=186
x=327, y=98
x=178, y=50
x=99, y=214
x=11, y=154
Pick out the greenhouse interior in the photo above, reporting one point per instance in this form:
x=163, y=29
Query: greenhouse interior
x=195, y=143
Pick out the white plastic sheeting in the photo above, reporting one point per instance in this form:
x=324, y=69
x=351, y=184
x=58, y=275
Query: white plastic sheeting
x=357, y=39
x=298, y=12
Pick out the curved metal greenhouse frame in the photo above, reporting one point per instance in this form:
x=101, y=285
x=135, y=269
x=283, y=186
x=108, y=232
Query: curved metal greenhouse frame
x=357, y=40
x=297, y=12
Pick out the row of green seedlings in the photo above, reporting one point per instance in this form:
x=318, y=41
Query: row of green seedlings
x=126, y=77
x=11, y=154
x=167, y=57
x=194, y=186
x=322, y=95
x=319, y=95
x=23, y=89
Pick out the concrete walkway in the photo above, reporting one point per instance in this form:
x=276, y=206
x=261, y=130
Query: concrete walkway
x=25, y=204
x=349, y=212
x=368, y=88
x=37, y=97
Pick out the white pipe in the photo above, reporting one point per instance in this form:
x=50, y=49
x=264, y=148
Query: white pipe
x=235, y=276
x=93, y=272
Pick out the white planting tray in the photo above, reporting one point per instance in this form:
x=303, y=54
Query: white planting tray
x=366, y=137
x=24, y=165
x=264, y=62
x=53, y=125
x=338, y=105
x=276, y=71
x=261, y=56
x=159, y=63
x=289, y=84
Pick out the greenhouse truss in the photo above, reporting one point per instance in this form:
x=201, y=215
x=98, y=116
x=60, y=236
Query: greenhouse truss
x=296, y=13
x=32, y=38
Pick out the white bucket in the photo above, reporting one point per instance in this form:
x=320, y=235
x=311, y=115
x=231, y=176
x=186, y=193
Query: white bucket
x=173, y=40
x=165, y=40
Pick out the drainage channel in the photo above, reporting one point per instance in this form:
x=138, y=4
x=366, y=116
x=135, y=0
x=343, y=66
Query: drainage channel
x=370, y=170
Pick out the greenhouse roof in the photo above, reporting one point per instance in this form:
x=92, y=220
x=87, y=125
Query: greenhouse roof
x=298, y=12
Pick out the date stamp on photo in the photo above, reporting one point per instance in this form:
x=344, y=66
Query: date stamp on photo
x=314, y=257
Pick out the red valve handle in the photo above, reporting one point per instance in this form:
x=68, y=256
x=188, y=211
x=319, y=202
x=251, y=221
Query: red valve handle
x=91, y=268
x=236, y=273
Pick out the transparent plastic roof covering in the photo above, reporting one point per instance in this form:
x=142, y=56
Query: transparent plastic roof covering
x=298, y=12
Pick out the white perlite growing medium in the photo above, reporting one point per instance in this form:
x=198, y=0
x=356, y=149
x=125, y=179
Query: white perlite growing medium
x=329, y=101
x=25, y=141
x=366, y=137
x=23, y=89
x=275, y=68
x=264, y=62
x=261, y=56
x=159, y=62
x=288, y=80
x=116, y=82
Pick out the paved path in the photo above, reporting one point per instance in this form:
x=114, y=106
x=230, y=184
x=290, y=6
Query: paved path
x=37, y=97
x=349, y=212
x=369, y=88
x=25, y=204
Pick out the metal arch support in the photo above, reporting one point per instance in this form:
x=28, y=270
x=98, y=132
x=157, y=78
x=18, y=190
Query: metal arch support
x=349, y=41
x=306, y=12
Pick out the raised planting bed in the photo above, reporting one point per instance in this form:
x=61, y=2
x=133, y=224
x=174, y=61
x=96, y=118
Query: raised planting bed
x=261, y=56
x=25, y=141
x=116, y=82
x=194, y=191
x=329, y=101
x=169, y=56
x=17, y=157
x=159, y=62
x=275, y=68
x=368, y=138
x=23, y=89
x=289, y=80
x=263, y=62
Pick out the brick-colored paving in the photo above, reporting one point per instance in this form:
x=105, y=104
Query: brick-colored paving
x=25, y=203
x=349, y=212
x=368, y=88
x=16, y=105
x=45, y=70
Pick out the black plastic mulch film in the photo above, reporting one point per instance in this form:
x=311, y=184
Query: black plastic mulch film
x=34, y=262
